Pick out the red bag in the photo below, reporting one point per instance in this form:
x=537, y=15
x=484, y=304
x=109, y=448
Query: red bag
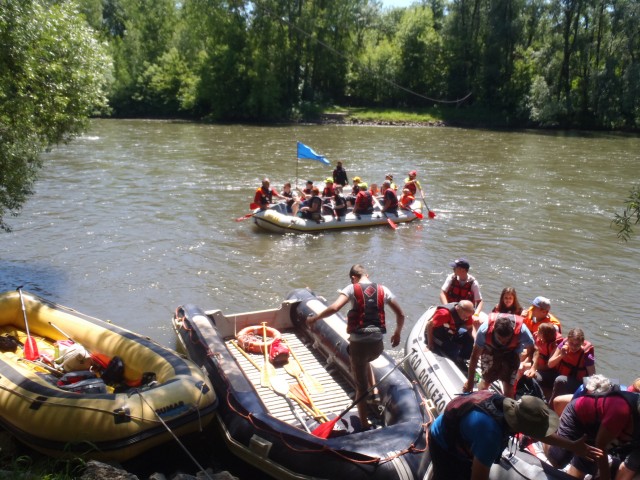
x=278, y=352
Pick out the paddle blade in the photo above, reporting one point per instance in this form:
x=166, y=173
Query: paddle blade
x=31, y=349
x=392, y=223
x=418, y=214
x=432, y=214
x=244, y=217
x=324, y=429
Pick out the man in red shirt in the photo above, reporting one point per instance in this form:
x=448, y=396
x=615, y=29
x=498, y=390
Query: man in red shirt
x=450, y=330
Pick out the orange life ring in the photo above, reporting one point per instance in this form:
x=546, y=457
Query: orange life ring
x=251, y=338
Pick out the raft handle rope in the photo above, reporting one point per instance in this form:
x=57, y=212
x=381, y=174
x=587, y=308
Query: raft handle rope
x=193, y=459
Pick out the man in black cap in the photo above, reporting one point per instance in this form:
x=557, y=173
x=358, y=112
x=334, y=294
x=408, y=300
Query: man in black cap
x=461, y=286
x=473, y=430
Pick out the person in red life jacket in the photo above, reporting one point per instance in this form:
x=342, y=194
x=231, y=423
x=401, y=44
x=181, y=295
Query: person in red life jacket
x=461, y=286
x=365, y=325
x=329, y=190
x=313, y=208
x=508, y=302
x=264, y=195
x=547, y=339
x=355, y=188
x=574, y=359
x=340, y=175
x=406, y=200
x=474, y=429
x=539, y=312
x=412, y=183
x=603, y=419
x=364, y=201
x=389, y=198
x=451, y=330
x=498, y=345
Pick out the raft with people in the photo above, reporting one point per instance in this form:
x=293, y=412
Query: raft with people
x=289, y=409
x=277, y=219
x=74, y=386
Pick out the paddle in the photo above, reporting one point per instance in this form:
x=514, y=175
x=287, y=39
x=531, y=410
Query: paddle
x=324, y=430
x=416, y=213
x=389, y=221
x=265, y=379
x=295, y=369
x=281, y=387
x=431, y=214
x=30, y=345
x=252, y=206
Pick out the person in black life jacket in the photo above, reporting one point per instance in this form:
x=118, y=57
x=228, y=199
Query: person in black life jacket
x=365, y=326
x=461, y=286
x=451, y=330
x=313, y=209
x=471, y=433
x=340, y=175
x=389, y=198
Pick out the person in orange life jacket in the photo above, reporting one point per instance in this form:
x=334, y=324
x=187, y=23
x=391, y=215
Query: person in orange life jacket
x=327, y=195
x=498, y=345
x=264, y=195
x=340, y=175
x=406, y=200
x=389, y=198
x=508, y=302
x=603, y=418
x=471, y=433
x=373, y=190
x=575, y=359
x=365, y=325
x=547, y=339
x=451, y=330
x=313, y=209
x=461, y=286
x=412, y=183
x=539, y=312
x=364, y=201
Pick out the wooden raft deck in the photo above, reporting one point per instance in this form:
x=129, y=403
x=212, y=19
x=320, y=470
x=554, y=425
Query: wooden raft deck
x=337, y=394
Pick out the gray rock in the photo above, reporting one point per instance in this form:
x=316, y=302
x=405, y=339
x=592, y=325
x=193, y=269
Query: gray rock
x=99, y=471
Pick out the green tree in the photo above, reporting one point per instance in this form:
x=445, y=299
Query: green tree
x=52, y=77
x=625, y=221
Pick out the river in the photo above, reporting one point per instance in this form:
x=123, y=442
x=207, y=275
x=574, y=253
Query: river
x=136, y=217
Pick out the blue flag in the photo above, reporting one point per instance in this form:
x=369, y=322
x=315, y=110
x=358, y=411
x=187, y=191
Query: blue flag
x=306, y=152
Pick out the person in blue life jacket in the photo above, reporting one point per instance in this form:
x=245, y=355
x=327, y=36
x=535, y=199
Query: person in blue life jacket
x=365, y=325
x=474, y=429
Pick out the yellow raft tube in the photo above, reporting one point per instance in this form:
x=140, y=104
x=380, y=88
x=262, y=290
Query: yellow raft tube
x=105, y=426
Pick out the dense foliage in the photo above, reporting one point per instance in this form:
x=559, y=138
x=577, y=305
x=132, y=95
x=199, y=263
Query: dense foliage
x=51, y=77
x=567, y=63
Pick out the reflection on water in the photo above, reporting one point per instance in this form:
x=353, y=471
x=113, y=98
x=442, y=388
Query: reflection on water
x=137, y=217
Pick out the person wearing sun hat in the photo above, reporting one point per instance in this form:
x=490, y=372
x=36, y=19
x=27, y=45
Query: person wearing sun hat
x=540, y=312
x=471, y=433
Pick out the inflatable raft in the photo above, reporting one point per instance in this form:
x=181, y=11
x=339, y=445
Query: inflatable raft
x=271, y=422
x=76, y=413
x=277, y=220
x=441, y=379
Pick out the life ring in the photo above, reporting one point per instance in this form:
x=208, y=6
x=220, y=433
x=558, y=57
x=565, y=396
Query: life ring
x=251, y=339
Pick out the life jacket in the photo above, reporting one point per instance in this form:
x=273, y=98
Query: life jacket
x=364, y=202
x=411, y=185
x=288, y=195
x=328, y=192
x=632, y=399
x=544, y=350
x=265, y=197
x=572, y=363
x=484, y=401
x=369, y=309
x=533, y=326
x=459, y=292
x=517, y=322
x=457, y=322
x=407, y=200
x=391, y=195
x=340, y=176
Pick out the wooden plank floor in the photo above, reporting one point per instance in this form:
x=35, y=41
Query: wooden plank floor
x=337, y=394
